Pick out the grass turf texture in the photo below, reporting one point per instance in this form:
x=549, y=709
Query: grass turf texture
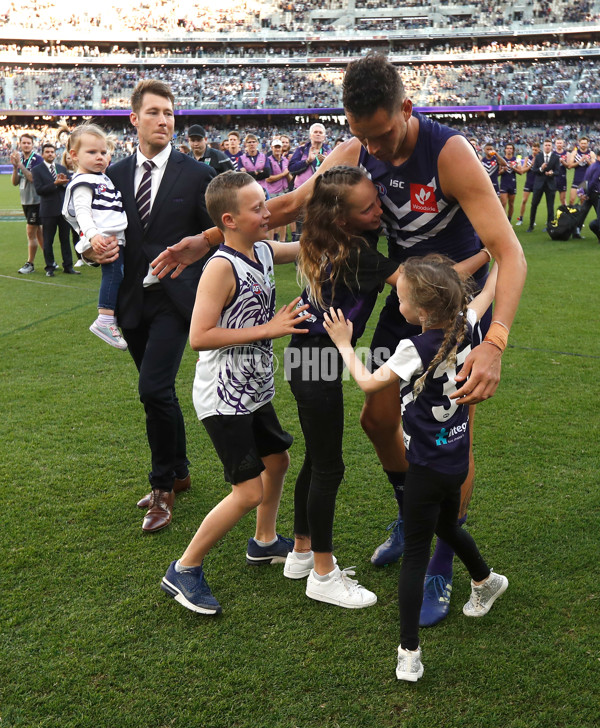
x=88, y=639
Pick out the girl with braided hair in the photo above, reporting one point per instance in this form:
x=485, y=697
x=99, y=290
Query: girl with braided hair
x=340, y=266
x=436, y=432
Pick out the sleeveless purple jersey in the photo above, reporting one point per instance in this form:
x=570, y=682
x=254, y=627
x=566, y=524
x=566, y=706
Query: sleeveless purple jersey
x=417, y=218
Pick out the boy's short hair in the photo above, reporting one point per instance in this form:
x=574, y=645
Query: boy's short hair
x=221, y=194
x=48, y=145
x=233, y=133
x=29, y=136
x=150, y=86
x=250, y=138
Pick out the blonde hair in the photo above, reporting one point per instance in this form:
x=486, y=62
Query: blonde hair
x=324, y=245
x=436, y=288
x=222, y=194
x=74, y=140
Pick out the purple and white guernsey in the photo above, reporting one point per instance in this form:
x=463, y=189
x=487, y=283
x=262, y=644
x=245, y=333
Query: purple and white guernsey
x=530, y=175
x=491, y=168
x=237, y=380
x=417, y=218
x=436, y=428
x=582, y=161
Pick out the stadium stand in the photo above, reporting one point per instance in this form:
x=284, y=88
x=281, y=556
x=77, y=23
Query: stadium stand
x=279, y=55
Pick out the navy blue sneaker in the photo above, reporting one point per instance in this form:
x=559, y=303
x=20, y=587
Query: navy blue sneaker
x=190, y=589
x=274, y=554
x=391, y=550
x=436, y=600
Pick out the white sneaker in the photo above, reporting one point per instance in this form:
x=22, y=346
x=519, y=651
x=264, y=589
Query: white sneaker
x=409, y=665
x=297, y=568
x=484, y=595
x=79, y=263
x=339, y=589
x=110, y=334
x=27, y=268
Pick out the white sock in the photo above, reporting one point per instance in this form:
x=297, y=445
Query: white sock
x=179, y=568
x=324, y=577
x=106, y=319
x=263, y=544
x=302, y=555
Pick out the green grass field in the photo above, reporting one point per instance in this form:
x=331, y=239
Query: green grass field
x=88, y=639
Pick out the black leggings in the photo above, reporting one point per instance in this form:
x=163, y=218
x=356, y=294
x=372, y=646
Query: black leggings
x=320, y=405
x=431, y=503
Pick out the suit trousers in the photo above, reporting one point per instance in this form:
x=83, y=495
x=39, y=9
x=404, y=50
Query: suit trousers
x=50, y=226
x=157, y=345
x=535, y=201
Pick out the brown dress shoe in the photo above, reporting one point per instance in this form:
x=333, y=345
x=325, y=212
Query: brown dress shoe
x=179, y=486
x=159, y=513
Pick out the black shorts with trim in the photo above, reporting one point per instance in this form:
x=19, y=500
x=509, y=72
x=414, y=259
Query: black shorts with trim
x=32, y=214
x=241, y=441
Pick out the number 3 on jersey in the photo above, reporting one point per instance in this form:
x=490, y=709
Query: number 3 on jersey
x=445, y=411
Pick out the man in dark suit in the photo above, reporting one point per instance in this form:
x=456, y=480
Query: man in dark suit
x=163, y=195
x=546, y=167
x=50, y=180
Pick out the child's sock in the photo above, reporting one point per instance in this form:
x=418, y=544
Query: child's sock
x=302, y=555
x=397, y=482
x=179, y=568
x=106, y=319
x=323, y=577
x=443, y=556
x=264, y=544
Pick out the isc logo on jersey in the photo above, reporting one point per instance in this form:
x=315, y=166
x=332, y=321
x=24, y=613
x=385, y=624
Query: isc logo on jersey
x=422, y=198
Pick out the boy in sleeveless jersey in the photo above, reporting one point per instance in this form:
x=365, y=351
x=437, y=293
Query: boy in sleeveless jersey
x=233, y=323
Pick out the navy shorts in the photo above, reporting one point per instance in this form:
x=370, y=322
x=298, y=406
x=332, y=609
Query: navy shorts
x=241, y=441
x=32, y=214
x=509, y=186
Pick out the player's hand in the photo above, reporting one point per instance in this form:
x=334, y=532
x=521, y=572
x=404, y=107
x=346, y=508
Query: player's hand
x=339, y=330
x=15, y=158
x=286, y=319
x=176, y=258
x=480, y=374
x=108, y=255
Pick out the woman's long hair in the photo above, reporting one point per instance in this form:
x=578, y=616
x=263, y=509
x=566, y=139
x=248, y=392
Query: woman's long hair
x=324, y=244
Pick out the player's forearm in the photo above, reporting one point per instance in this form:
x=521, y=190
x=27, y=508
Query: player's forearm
x=512, y=271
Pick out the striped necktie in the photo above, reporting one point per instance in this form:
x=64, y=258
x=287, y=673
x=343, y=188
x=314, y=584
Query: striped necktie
x=144, y=192
x=53, y=171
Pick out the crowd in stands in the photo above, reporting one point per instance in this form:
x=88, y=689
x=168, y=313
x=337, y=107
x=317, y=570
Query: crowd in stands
x=264, y=86
x=41, y=51
x=181, y=17
x=520, y=133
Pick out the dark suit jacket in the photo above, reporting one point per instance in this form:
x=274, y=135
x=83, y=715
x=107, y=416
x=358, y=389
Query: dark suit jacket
x=51, y=195
x=542, y=181
x=178, y=210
